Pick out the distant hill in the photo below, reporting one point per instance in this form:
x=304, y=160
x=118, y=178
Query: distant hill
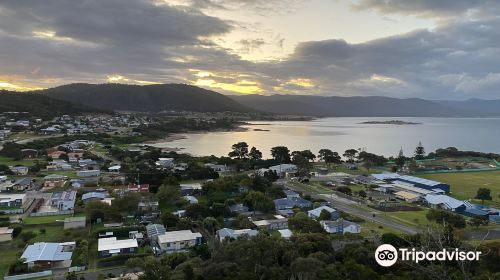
x=147, y=98
x=41, y=105
x=481, y=107
x=334, y=106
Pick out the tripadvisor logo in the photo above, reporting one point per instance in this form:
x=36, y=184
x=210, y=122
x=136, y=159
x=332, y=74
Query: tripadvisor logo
x=387, y=255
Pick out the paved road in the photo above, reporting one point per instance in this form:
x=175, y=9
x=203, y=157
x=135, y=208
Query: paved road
x=347, y=206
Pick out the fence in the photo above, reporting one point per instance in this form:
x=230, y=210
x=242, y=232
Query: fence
x=29, y=275
x=76, y=268
x=60, y=212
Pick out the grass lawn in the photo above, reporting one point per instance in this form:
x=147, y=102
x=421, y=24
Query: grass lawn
x=465, y=185
x=412, y=218
x=11, y=162
x=48, y=219
x=369, y=228
x=9, y=255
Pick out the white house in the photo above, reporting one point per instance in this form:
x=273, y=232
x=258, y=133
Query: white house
x=316, y=212
x=110, y=246
x=340, y=226
x=191, y=199
x=177, y=241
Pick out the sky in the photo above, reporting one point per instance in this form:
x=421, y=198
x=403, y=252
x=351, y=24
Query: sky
x=432, y=49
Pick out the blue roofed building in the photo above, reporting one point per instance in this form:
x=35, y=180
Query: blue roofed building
x=316, y=212
x=289, y=203
x=416, y=181
x=91, y=196
x=48, y=255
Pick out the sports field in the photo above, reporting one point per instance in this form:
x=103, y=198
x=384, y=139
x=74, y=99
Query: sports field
x=464, y=185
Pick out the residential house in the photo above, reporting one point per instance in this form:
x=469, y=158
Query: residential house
x=54, y=181
x=316, y=212
x=48, y=255
x=89, y=176
x=11, y=203
x=64, y=200
x=217, y=167
x=24, y=184
x=165, y=163
x=29, y=153
x=6, y=234
x=279, y=222
x=239, y=209
x=289, y=203
x=92, y=196
x=59, y=164
x=285, y=233
x=111, y=246
x=234, y=234
x=153, y=231
x=144, y=188
x=19, y=170
x=191, y=199
x=340, y=226
x=115, y=168
x=55, y=154
x=190, y=189
x=283, y=170
x=147, y=206
x=178, y=241
x=74, y=222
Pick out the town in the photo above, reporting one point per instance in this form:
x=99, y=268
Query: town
x=78, y=202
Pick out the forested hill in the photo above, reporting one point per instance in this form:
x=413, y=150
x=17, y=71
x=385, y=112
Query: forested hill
x=147, y=98
x=358, y=106
x=41, y=105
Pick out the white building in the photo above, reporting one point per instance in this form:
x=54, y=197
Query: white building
x=110, y=246
x=176, y=241
x=340, y=226
x=235, y=234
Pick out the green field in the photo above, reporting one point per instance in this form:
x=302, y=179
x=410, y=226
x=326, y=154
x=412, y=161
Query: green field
x=11, y=162
x=411, y=218
x=465, y=185
x=47, y=219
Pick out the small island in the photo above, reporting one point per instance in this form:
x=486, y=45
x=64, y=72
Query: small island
x=394, y=122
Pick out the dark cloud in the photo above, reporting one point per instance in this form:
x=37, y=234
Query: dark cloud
x=55, y=42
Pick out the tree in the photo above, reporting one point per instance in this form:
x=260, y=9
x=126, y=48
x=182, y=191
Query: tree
x=211, y=224
x=413, y=166
x=168, y=196
x=478, y=221
x=255, y=154
x=240, y=150
x=400, y=160
x=483, y=194
x=329, y=157
x=259, y=201
x=419, y=151
x=367, y=164
x=324, y=215
x=281, y=154
x=350, y=154
x=302, y=223
x=71, y=276
x=303, y=164
x=307, y=154
x=168, y=219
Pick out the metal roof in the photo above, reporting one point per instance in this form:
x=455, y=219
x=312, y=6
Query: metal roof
x=180, y=235
x=111, y=243
x=45, y=252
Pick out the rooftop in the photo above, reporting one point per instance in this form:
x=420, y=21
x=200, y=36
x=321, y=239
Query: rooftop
x=46, y=252
x=111, y=243
x=181, y=235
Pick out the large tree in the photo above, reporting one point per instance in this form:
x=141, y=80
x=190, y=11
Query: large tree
x=255, y=154
x=281, y=154
x=329, y=156
x=240, y=150
x=419, y=151
x=483, y=194
x=350, y=154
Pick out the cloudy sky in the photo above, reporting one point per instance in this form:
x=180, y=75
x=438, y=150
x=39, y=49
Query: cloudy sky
x=434, y=49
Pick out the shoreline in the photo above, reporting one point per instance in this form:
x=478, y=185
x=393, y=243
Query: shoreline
x=184, y=135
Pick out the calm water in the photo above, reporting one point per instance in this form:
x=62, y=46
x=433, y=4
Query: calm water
x=339, y=134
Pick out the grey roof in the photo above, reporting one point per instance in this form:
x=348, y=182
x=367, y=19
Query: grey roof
x=155, y=230
x=450, y=202
x=317, y=211
x=100, y=195
x=291, y=203
x=74, y=219
x=45, y=252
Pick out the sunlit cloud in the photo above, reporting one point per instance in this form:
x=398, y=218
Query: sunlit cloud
x=17, y=87
x=50, y=35
x=119, y=79
x=385, y=79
